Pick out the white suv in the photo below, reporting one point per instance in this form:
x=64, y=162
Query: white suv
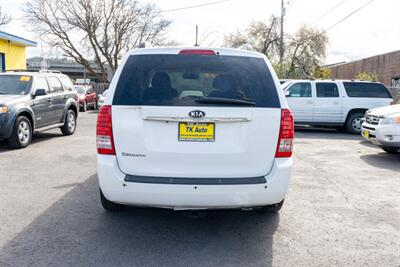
x=381, y=126
x=334, y=102
x=191, y=129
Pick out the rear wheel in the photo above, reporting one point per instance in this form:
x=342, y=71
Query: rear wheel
x=353, y=123
x=391, y=150
x=109, y=205
x=275, y=208
x=22, y=133
x=69, y=123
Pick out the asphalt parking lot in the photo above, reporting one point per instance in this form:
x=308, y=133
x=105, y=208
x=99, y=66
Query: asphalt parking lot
x=343, y=208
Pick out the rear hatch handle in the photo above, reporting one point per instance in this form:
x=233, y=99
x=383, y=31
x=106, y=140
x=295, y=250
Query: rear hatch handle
x=188, y=119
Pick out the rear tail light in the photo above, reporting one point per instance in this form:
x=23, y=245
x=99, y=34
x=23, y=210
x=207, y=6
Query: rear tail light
x=197, y=52
x=286, y=135
x=104, y=136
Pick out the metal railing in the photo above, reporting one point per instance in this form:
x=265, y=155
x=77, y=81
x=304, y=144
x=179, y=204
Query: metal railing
x=99, y=88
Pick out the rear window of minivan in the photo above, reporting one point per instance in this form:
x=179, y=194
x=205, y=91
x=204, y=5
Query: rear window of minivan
x=364, y=89
x=184, y=80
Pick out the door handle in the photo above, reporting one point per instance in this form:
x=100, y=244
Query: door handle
x=309, y=102
x=336, y=103
x=50, y=99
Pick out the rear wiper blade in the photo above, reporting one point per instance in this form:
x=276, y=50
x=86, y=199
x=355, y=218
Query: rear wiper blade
x=225, y=101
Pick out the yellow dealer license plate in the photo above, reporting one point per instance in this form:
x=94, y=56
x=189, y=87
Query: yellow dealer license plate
x=365, y=133
x=196, y=132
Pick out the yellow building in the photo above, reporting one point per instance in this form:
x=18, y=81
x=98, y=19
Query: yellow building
x=13, y=51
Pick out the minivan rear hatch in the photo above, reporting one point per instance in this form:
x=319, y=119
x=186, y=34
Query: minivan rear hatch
x=198, y=116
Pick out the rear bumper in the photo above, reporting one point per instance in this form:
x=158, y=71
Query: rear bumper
x=182, y=196
x=382, y=135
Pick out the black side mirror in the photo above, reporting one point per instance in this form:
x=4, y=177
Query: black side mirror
x=40, y=92
x=287, y=93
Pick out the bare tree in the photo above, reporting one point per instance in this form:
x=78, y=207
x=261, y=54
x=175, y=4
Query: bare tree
x=4, y=18
x=304, y=51
x=262, y=36
x=98, y=31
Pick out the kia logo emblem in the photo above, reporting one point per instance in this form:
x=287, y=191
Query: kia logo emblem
x=197, y=114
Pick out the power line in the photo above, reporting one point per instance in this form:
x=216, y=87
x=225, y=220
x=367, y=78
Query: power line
x=328, y=12
x=195, y=6
x=349, y=15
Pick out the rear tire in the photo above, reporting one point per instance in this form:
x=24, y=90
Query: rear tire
x=353, y=123
x=109, y=205
x=21, y=136
x=275, y=208
x=69, y=126
x=391, y=150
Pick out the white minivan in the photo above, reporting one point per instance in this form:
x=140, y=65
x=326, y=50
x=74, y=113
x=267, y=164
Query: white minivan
x=190, y=129
x=334, y=102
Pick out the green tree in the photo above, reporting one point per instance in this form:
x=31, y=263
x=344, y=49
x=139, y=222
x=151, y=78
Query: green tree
x=367, y=76
x=322, y=73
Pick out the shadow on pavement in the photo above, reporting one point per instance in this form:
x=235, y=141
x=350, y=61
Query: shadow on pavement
x=75, y=231
x=324, y=133
x=383, y=160
x=37, y=138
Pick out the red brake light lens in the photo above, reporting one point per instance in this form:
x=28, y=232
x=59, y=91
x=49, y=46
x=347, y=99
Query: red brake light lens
x=104, y=136
x=197, y=52
x=286, y=135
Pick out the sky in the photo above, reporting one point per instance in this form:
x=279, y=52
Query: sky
x=373, y=30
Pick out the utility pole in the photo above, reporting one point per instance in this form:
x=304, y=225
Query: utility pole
x=197, y=35
x=281, y=39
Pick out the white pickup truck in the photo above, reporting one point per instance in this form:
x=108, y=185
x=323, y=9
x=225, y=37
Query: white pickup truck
x=334, y=103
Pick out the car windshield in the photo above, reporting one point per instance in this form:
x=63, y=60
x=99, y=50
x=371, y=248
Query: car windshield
x=15, y=84
x=196, y=80
x=80, y=90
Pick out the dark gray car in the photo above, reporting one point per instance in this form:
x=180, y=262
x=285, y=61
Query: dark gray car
x=33, y=102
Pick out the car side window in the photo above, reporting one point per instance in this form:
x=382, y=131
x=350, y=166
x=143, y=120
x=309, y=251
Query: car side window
x=41, y=83
x=366, y=89
x=327, y=90
x=300, y=90
x=55, y=85
x=68, y=85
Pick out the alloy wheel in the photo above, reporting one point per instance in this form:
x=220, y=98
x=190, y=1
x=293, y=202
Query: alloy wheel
x=24, y=132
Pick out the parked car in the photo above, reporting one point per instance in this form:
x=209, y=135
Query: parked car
x=382, y=127
x=102, y=98
x=34, y=102
x=87, y=97
x=335, y=103
x=194, y=129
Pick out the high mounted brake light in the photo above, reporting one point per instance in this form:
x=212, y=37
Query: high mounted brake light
x=197, y=52
x=286, y=135
x=104, y=135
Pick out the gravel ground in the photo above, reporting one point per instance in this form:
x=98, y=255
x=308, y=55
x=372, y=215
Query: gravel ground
x=343, y=208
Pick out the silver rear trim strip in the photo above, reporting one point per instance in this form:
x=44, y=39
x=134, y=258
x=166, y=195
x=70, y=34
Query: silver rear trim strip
x=187, y=119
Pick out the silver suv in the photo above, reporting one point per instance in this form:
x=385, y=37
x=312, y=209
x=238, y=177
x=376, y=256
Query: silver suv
x=35, y=101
